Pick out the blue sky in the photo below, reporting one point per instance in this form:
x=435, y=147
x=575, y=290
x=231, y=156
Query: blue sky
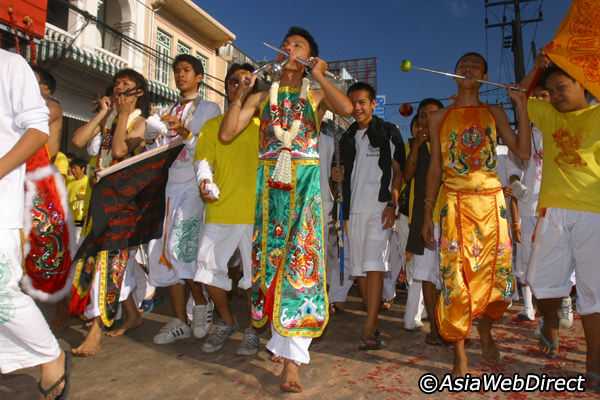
x=431, y=34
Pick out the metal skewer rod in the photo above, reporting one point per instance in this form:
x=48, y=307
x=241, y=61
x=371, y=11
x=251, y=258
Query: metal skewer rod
x=301, y=61
x=257, y=70
x=464, y=77
x=266, y=65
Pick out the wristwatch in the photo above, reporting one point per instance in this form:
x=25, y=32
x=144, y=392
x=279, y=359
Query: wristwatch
x=390, y=204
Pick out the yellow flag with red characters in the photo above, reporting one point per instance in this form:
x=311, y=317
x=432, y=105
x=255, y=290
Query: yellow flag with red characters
x=576, y=45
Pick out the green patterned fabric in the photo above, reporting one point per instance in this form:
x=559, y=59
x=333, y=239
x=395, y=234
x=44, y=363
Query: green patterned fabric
x=288, y=284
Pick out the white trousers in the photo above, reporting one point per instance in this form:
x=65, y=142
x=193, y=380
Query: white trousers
x=397, y=256
x=338, y=292
x=178, y=245
x=25, y=338
x=218, y=244
x=566, y=241
x=293, y=348
x=527, y=229
x=369, y=243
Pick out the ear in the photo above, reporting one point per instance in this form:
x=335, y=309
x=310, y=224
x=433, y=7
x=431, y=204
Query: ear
x=485, y=77
x=373, y=103
x=199, y=78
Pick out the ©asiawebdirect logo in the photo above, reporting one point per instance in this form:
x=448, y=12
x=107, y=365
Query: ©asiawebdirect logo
x=429, y=383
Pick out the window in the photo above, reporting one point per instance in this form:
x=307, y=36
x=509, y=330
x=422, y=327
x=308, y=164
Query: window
x=183, y=49
x=163, y=50
x=204, y=61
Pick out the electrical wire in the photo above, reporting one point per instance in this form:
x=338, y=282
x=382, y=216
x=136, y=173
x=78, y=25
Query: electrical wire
x=143, y=48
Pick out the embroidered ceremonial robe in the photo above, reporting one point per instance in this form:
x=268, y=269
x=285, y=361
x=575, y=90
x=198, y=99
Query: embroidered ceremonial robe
x=475, y=247
x=288, y=283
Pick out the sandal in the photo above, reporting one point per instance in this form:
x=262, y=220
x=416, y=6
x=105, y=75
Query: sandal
x=386, y=304
x=372, y=343
x=335, y=309
x=552, y=346
x=64, y=378
x=148, y=305
x=433, y=340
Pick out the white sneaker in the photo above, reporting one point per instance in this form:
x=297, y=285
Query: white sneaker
x=526, y=314
x=202, y=319
x=538, y=329
x=174, y=330
x=565, y=313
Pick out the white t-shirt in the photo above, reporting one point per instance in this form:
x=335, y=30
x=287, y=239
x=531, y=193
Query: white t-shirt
x=530, y=172
x=22, y=108
x=366, y=176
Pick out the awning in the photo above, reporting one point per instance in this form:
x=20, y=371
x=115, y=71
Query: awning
x=162, y=91
x=49, y=49
x=159, y=93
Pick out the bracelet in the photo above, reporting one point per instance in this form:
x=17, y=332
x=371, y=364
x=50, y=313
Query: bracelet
x=390, y=204
x=516, y=229
x=516, y=224
x=189, y=135
x=430, y=205
x=236, y=104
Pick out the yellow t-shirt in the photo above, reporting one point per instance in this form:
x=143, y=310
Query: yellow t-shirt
x=75, y=187
x=234, y=168
x=62, y=163
x=571, y=170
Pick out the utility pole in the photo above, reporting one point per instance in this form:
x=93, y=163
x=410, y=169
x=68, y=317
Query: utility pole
x=515, y=42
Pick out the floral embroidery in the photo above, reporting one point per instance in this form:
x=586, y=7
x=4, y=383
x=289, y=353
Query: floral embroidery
x=446, y=275
x=500, y=250
x=453, y=246
x=477, y=239
x=505, y=275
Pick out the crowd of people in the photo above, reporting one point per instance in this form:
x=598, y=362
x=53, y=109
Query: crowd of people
x=448, y=208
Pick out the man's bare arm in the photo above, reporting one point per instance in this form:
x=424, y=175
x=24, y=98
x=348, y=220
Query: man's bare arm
x=55, y=124
x=30, y=142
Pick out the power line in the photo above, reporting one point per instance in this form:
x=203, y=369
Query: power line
x=143, y=48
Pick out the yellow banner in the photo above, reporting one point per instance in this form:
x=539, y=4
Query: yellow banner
x=576, y=45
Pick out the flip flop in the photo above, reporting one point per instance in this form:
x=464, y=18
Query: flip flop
x=432, y=340
x=148, y=305
x=64, y=378
x=334, y=309
x=372, y=343
x=386, y=304
x=595, y=376
x=550, y=353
